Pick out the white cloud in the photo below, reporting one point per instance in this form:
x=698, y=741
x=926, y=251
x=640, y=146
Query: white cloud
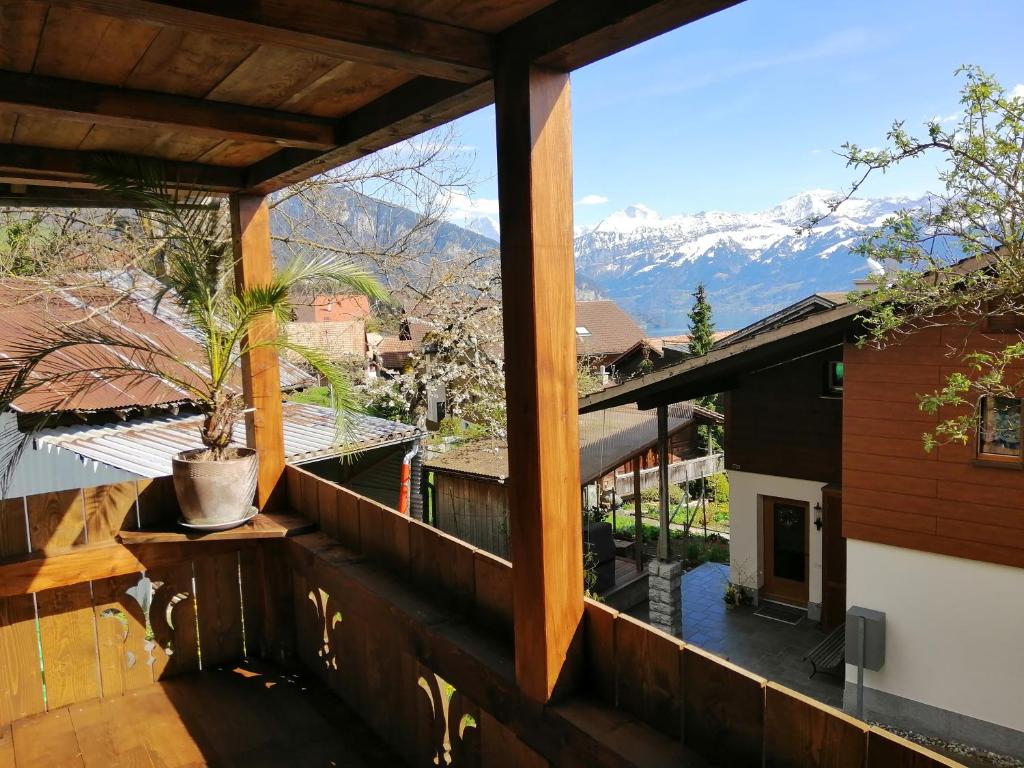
x=947, y=118
x=592, y=200
x=1018, y=90
x=462, y=205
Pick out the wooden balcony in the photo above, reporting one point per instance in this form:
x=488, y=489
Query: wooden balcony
x=370, y=638
x=447, y=655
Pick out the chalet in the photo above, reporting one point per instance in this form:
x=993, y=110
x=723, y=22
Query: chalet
x=835, y=504
x=604, y=331
x=342, y=631
x=654, y=354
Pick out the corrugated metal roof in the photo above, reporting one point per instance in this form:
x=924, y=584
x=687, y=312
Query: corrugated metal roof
x=145, y=446
x=28, y=309
x=607, y=439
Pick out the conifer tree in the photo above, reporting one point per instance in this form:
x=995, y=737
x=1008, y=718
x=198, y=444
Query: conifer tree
x=702, y=337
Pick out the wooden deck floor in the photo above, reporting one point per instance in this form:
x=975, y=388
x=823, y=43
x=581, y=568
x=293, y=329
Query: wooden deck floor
x=251, y=716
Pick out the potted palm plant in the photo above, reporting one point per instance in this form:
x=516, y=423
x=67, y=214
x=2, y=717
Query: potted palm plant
x=216, y=481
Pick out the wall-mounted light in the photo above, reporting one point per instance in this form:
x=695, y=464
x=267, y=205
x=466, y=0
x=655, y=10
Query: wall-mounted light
x=817, y=516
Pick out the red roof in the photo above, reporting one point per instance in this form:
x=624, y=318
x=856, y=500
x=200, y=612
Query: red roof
x=394, y=352
x=603, y=328
x=99, y=376
x=333, y=309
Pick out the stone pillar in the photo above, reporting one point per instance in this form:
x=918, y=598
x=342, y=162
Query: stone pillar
x=665, y=583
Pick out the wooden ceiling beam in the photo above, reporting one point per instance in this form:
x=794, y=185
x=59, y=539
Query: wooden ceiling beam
x=405, y=112
x=39, y=196
x=67, y=168
x=338, y=28
x=123, y=107
x=567, y=34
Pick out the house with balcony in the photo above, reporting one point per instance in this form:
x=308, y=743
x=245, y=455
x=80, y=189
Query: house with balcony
x=835, y=504
x=332, y=629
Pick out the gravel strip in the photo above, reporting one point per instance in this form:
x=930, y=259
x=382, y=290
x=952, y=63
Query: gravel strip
x=956, y=750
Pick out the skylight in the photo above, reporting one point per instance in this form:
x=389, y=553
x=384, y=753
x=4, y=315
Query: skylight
x=581, y=330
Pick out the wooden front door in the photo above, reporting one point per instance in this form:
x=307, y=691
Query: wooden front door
x=786, y=550
x=833, y=559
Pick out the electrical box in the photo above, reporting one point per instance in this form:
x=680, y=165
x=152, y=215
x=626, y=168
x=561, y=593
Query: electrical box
x=874, y=637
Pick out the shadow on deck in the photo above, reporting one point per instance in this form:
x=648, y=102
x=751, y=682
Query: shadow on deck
x=247, y=714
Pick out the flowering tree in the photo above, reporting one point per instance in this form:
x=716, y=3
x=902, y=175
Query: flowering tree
x=961, y=258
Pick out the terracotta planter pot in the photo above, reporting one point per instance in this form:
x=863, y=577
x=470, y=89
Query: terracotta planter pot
x=215, y=493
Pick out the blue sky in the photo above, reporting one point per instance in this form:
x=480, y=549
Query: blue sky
x=745, y=108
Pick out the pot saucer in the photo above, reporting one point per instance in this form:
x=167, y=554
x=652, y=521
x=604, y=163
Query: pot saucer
x=210, y=527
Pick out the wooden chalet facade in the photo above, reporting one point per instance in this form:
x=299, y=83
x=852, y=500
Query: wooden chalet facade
x=417, y=648
x=835, y=503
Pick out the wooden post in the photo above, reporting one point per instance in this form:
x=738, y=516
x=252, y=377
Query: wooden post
x=261, y=378
x=663, y=534
x=638, y=537
x=539, y=308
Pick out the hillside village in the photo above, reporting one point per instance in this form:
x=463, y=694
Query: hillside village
x=311, y=455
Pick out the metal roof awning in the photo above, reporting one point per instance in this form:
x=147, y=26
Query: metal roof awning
x=145, y=446
x=720, y=369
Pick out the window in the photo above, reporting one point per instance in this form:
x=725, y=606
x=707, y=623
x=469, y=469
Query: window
x=834, y=378
x=999, y=435
x=581, y=330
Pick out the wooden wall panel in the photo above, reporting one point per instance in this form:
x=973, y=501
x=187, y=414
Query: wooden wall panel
x=56, y=521
x=108, y=509
x=21, y=693
x=896, y=493
x=218, y=601
x=67, y=634
x=499, y=747
x=157, y=502
x=492, y=579
x=182, y=638
x=121, y=637
x=779, y=423
x=648, y=676
x=800, y=731
x=13, y=534
x=723, y=709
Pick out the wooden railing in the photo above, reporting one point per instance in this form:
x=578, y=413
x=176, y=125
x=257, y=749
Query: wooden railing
x=679, y=472
x=409, y=626
x=70, y=630
x=412, y=628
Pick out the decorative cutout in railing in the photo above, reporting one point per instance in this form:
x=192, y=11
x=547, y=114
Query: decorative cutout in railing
x=450, y=723
x=143, y=592
x=328, y=651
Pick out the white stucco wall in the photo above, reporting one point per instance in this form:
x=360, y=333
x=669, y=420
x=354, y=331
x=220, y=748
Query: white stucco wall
x=954, y=629
x=745, y=553
x=44, y=471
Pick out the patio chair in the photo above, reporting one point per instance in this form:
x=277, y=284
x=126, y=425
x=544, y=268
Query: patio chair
x=828, y=655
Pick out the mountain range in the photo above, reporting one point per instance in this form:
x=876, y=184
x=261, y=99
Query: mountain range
x=751, y=263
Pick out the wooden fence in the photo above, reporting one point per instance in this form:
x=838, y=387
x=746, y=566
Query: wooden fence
x=412, y=628
x=69, y=629
x=680, y=472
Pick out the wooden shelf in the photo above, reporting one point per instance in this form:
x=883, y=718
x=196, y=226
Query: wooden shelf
x=265, y=525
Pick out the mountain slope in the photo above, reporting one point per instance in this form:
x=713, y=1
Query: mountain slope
x=752, y=264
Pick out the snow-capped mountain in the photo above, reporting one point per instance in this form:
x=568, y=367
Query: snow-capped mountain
x=751, y=263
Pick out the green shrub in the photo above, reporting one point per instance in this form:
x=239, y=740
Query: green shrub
x=695, y=551
x=718, y=488
x=675, y=495
x=718, y=554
